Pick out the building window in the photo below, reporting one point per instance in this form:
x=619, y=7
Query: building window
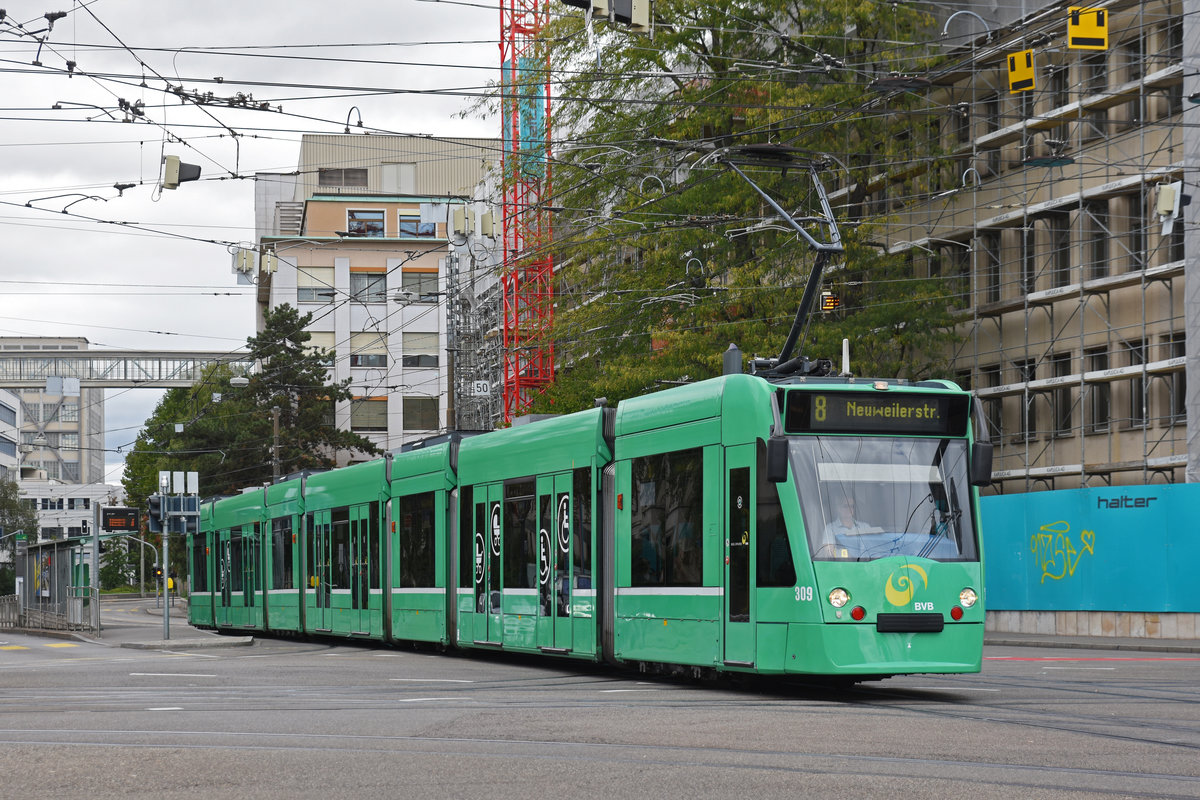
x=323, y=343
x=420, y=414
x=1060, y=398
x=421, y=285
x=1176, y=347
x=365, y=223
x=1097, y=412
x=1028, y=258
x=368, y=414
x=411, y=225
x=354, y=177
x=1058, y=228
x=420, y=349
x=8, y=414
x=1027, y=420
x=1095, y=232
x=7, y=446
x=989, y=267
x=993, y=408
x=70, y=471
x=991, y=121
x=1135, y=352
x=68, y=441
x=314, y=285
x=1136, y=235
x=368, y=287
x=368, y=350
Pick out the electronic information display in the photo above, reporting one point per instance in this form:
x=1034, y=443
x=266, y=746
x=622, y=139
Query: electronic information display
x=896, y=413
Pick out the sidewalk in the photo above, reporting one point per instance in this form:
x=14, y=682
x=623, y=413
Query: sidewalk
x=1004, y=639
x=141, y=636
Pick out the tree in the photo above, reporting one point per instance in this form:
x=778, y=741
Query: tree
x=666, y=255
x=229, y=443
x=15, y=515
x=116, y=566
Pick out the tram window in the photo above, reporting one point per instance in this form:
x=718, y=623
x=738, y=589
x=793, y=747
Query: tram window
x=253, y=580
x=340, y=546
x=667, y=519
x=416, y=541
x=373, y=546
x=281, y=554
x=236, y=564
x=581, y=527
x=775, y=564
x=520, y=536
x=311, y=536
x=547, y=525
x=199, y=565
x=466, y=538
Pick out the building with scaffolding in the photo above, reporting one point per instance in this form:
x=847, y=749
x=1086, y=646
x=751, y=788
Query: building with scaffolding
x=1056, y=213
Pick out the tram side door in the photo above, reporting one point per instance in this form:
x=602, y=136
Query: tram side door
x=740, y=630
x=225, y=576
x=554, y=562
x=489, y=618
x=318, y=590
x=361, y=565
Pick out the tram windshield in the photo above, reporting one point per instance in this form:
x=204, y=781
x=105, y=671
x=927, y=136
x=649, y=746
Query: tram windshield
x=865, y=498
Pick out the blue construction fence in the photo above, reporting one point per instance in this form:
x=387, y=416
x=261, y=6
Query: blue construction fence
x=1122, y=548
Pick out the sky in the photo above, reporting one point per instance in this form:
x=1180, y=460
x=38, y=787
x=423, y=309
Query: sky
x=150, y=269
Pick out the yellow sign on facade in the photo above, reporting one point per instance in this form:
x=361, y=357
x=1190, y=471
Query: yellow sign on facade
x=1021, y=74
x=1087, y=28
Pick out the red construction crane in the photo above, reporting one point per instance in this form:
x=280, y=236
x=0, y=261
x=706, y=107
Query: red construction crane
x=528, y=268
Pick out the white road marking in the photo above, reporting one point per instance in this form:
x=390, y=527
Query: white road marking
x=171, y=675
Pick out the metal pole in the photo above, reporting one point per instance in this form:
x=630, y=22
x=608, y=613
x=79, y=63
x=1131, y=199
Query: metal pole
x=164, y=486
x=275, y=446
x=95, y=599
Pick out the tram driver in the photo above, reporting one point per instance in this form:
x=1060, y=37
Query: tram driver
x=845, y=523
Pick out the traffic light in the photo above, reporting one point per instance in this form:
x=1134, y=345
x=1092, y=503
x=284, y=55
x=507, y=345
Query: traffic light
x=157, y=572
x=176, y=172
x=154, y=515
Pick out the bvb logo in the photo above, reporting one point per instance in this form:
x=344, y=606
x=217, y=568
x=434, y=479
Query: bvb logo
x=900, y=589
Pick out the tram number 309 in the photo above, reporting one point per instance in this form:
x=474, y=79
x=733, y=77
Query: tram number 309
x=804, y=594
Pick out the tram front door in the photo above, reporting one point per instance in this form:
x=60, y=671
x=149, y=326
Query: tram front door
x=739, y=548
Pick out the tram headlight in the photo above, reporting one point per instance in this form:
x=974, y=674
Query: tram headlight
x=967, y=597
x=839, y=597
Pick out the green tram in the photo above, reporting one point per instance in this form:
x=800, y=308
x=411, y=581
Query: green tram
x=826, y=526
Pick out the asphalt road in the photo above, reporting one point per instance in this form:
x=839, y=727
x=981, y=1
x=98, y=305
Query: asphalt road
x=289, y=719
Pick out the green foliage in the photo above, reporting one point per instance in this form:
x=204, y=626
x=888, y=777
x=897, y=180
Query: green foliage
x=664, y=257
x=116, y=566
x=229, y=443
x=15, y=515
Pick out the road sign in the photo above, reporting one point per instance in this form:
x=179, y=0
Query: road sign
x=1021, y=74
x=1087, y=28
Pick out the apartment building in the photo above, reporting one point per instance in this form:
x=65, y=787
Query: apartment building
x=360, y=237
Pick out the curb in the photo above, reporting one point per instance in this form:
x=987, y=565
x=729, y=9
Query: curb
x=192, y=644
x=1085, y=643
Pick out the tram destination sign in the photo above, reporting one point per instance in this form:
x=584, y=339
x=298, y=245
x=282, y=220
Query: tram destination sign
x=878, y=413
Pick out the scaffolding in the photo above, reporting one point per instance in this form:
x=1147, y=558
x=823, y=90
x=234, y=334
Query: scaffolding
x=1053, y=213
